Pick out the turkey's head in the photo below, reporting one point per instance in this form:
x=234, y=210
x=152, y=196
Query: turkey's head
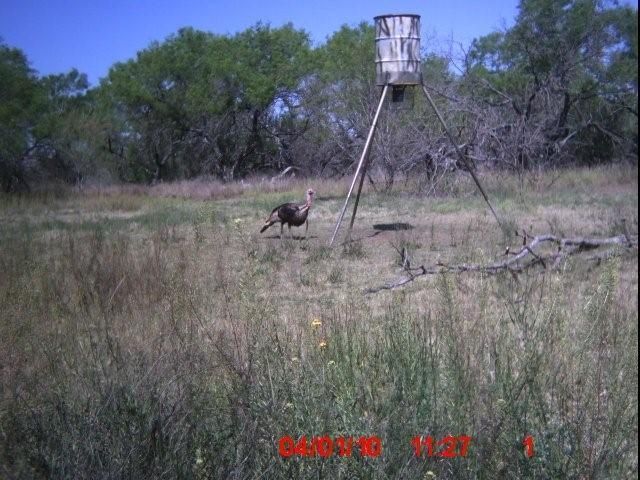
x=310, y=195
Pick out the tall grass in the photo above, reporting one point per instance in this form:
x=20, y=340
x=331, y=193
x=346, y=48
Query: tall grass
x=188, y=351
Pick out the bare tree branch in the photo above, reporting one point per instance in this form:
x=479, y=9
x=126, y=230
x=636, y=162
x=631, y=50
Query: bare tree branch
x=526, y=258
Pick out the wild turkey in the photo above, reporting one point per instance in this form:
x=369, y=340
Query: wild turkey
x=291, y=214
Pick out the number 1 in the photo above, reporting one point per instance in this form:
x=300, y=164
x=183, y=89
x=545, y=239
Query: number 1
x=528, y=446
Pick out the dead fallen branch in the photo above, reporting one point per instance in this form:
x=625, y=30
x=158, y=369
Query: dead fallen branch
x=528, y=256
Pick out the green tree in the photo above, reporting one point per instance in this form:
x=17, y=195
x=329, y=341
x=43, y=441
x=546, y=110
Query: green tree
x=21, y=102
x=35, y=143
x=65, y=128
x=338, y=100
x=564, y=81
x=205, y=104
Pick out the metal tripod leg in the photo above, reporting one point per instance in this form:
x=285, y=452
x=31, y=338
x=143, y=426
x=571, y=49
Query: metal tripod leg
x=462, y=158
x=355, y=204
x=367, y=145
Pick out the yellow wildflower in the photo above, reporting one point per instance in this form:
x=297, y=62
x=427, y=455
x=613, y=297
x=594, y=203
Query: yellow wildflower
x=323, y=344
x=316, y=322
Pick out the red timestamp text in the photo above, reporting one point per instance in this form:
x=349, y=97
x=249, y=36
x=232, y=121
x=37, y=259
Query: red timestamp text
x=447, y=447
x=325, y=446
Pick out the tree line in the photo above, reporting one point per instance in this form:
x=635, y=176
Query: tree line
x=559, y=87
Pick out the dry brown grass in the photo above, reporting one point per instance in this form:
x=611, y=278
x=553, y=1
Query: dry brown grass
x=151, y=332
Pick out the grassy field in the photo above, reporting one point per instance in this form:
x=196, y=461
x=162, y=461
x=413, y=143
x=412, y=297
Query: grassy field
x=154, y=333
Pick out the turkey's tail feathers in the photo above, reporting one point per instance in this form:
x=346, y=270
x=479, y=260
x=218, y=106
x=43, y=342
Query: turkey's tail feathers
x=267, y=225
x=273, y=218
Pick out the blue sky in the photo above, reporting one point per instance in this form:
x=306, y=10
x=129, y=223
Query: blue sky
x=92, y=35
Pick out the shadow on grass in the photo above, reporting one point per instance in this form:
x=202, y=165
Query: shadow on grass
x=387, y=227
x=294, y=237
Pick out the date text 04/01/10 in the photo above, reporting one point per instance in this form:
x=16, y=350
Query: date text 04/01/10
x=326, y=446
